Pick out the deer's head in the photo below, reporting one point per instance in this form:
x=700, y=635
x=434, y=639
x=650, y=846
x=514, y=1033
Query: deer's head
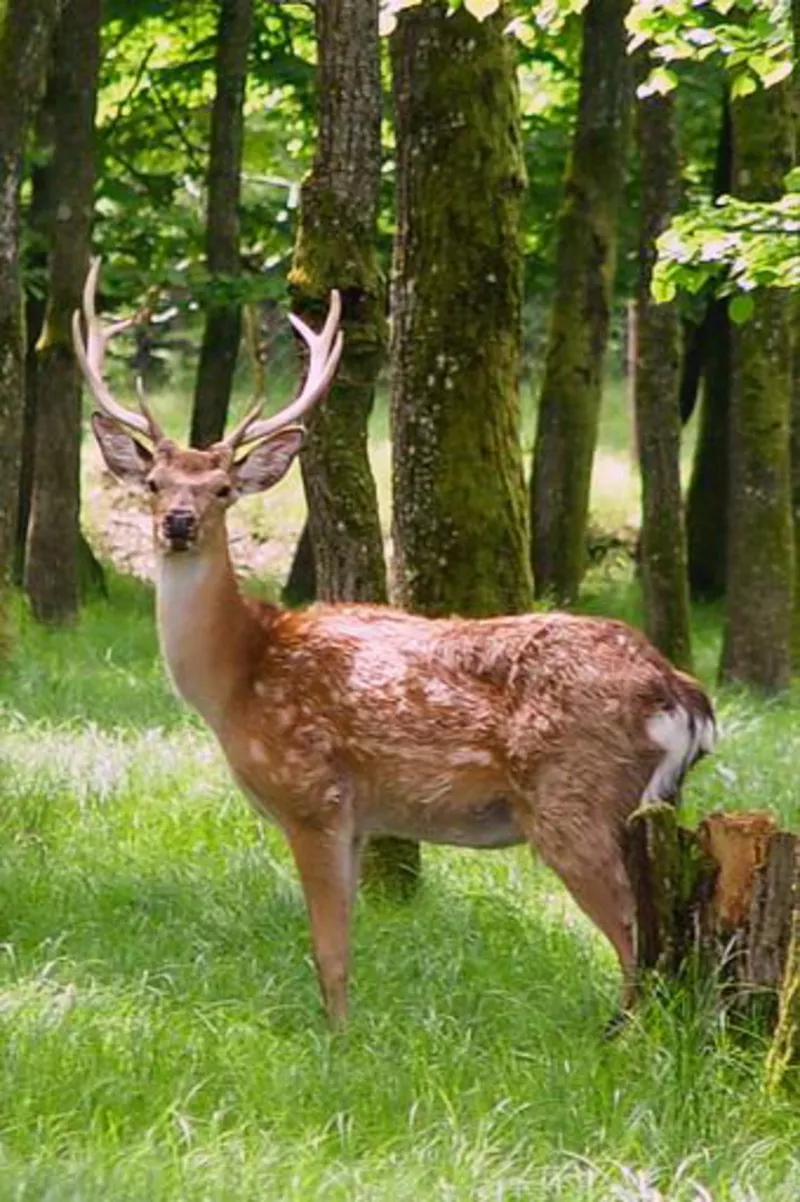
x=190, y=490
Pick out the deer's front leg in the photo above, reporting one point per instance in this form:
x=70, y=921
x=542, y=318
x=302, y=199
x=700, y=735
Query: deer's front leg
x=326, y=862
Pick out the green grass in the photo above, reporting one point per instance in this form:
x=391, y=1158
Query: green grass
x=161, y=1033
x=160, y=1030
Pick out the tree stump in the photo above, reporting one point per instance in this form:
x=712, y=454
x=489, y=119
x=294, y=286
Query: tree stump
x=724, y=898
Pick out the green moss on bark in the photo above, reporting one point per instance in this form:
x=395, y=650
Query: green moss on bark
x=459, y=506
x=569, y=402
x=758, y=632
x=335, y=248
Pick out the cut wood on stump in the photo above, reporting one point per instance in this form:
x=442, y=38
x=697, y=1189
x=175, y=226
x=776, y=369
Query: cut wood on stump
x=724, y=898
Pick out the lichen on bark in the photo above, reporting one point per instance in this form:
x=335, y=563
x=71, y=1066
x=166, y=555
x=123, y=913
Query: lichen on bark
x=569, y=401
x=459, y=525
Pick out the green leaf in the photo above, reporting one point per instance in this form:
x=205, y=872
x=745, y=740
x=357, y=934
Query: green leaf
x=741, y=308
x=742, y=86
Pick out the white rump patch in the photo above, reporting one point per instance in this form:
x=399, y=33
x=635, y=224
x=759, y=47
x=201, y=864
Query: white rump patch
x=683, y=737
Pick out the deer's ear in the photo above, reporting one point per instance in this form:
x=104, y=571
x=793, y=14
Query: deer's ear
x=269, y=462
x=125, y=457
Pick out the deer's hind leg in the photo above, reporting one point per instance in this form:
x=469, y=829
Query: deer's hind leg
x=581, y=840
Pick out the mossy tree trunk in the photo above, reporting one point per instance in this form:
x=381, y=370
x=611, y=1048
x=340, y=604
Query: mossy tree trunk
x=460, y=531
x=758, y=627
x=708, y=493
x=658, y=420
x=223, y=326
x=569, y=402
x=336, y=248
x=52, y=577
x=25, y=30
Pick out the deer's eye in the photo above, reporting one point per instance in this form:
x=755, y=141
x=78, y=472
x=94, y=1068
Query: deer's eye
x=224, y=491
x=152, y=486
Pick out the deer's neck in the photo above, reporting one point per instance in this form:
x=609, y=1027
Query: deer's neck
x=204, y=629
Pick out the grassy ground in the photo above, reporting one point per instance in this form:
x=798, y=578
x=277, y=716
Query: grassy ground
x=160, y=1031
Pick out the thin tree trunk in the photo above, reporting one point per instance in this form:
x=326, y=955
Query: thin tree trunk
x=707, y=504
x=51, y=561
x=301, y=583
x=658, y=420
x=758, y=632
x=794, y=308
x=569, y=402
x=223, y=328
x=336, y=249
x=25, y=30
x=460, y=534
x=794, y=304
x=708, y=494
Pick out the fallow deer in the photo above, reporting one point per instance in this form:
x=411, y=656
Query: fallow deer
x=345, y=721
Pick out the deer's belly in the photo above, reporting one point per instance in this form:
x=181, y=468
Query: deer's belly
x=482, y=824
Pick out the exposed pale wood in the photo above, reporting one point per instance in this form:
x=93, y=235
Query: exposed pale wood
x=726, y=898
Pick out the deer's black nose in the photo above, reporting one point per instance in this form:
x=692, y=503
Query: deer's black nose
x=179, y=524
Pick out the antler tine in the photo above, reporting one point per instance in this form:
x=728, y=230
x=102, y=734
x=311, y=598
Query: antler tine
x=91, y=356
x=325, y=350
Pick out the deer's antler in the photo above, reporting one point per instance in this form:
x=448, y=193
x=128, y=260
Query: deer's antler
x=324, y=350
x=91, y=354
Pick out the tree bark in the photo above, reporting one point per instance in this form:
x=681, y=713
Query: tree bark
x=569, y=402
x=758, y=630
x=657, y=394
x=223, y=327
x=724, y=891
x=707, y=502
x=51, y=559
x=794, y=310
x=723, y=901
x=336, y=249
x=25, y=30
x=707, y=498
x=301, y=583
x=460, y=534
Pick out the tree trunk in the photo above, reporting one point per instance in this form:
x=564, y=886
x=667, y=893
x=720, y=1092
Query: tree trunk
x=794, y=308
x=336, y=249
x=51, y=561
x=658, y=420
x=25, y=30
x=569, y=402
x=723, y=901
x=708, y=494
x=758, y=632
x=707, y=502
x=223, y=328
x=301, y=583
x=460, y=535
x=794, y=303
